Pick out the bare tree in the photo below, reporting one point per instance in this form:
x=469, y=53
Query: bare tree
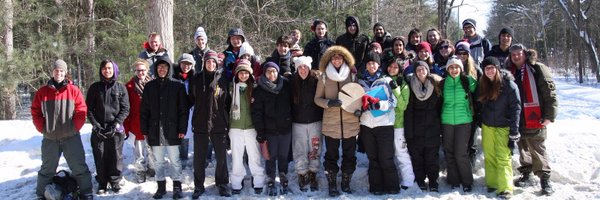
x=159, y=18
x=577, y=20
x=8, y=97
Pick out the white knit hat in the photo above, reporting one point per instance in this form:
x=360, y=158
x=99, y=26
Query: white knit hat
x=302, y=60
x=246, y=49
x=454, y=61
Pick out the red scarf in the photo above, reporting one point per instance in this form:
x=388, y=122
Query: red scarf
x=531, y=101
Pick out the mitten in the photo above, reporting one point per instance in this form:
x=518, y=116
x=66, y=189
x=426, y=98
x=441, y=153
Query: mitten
x=357, y=113
x=393, y=84
x=334, y=103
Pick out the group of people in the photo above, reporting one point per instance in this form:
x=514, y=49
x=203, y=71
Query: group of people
x=419, y=96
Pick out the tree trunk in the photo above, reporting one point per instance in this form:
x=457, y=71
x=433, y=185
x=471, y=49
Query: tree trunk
x=86, y=64
x=8, y=97
x=159, y=18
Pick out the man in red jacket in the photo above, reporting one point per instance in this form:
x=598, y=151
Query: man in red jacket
x=144, y=161
x=58, y=111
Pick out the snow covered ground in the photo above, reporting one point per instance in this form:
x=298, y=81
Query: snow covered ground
x=573, y=143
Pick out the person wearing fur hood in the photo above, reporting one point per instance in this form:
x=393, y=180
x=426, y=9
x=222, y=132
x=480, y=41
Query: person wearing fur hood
x=337, y=68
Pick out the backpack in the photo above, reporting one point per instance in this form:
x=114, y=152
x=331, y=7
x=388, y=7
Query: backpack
x=64, y=186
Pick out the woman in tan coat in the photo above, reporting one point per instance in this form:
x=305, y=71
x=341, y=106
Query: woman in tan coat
x=337, y=68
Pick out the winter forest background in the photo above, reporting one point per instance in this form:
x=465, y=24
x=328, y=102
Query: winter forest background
x=83, y=32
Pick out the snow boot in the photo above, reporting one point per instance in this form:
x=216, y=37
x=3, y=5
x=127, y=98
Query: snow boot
x=101, y=189
x=504, y=195
x=283, y=181
x=524, y=180
x=346, y=177
x=198, y=192
x=177, y=191
x=312, y=180
x=545, y=183
x=140, y=177
x=332, y=183
x=258, y=190
x=161, y=191
x=115, y=187
x=271, y=190
x=223, y=190
x=302, y=182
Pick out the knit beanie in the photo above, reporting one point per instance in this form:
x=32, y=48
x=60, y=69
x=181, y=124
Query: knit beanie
x=302, y=60
x=490, y=60
x=210, y=54
x=424, y=45
x=508, y=30
x=187, y=58
x=454, y=61
x=421, y=63
x=378, y=24
x=270, y=64
x=375, y=45
x=200, y=33
x=372, y=56
x=60, y=64
x=246, y=49
x=517, y=47
x=463, y=46
x=243, y=65
x=469, y=21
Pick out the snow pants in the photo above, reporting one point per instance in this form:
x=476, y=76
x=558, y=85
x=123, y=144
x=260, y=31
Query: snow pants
x=424, y=155
x=332, y=155
x=172, y=152
x=200, y=153
x=403, y=158
x=245, y=140
x=456, y=145
x=498, y=167
x=279, y=147
x=72, y=149
x=306, y=143
x=108, y=157
x=379, y=145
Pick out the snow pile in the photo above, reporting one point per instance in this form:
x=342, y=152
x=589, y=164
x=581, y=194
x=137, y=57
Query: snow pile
x=572, y=144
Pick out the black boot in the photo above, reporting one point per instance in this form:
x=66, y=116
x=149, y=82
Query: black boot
x=271, y=190
x=283, y=181
x=177, y=191
x=546, y=187
x=101, y=189
x=346, y=177
x=140, y=177
x=115, y=187
x=223, y=190
x=198, y=192
x=524, y=180
x=312, y=180
x=332, y=183
x=161, y=191
x=302, y=182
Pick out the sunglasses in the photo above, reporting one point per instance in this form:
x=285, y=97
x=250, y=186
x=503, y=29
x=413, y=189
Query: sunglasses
x=445, y=47
x=462, y=53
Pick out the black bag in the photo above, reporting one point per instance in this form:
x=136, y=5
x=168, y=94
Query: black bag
x=67, y=184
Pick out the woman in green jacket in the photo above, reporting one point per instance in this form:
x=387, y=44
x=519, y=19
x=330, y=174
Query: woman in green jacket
x=457, y=115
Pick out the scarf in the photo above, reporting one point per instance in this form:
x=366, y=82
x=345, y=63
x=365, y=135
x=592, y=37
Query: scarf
x=235, y=107
x=531, y=102
x=369, y=79
x=421, y=91
x=336, y=76
x=269, y=86
x=139, y=84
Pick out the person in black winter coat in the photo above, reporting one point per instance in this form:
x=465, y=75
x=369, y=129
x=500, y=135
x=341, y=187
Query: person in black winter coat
x=209, y=91
x=317, y=46
x=272, y=119
x=108, y=106
x=163, y=121
x=282, y=56
x=423, y=126
x=353, y=40
x=382, y=37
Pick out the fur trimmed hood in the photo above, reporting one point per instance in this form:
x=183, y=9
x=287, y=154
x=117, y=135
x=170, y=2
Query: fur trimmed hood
x=333, y=50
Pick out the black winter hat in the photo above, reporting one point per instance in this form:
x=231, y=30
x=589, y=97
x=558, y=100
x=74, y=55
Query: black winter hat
x=372, y=56
x=508, y=30
x=490, y=60
x=378, y=24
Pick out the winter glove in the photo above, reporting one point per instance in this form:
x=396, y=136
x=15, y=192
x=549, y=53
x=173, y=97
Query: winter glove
x=97, y=129
x=357, y=113
x=368, y=103
x=512, y=141
x=374, y=106
x=260, y=137
x=393, y=84
x=334, y=103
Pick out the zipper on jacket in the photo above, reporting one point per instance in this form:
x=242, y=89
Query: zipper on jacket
x=341, y=119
